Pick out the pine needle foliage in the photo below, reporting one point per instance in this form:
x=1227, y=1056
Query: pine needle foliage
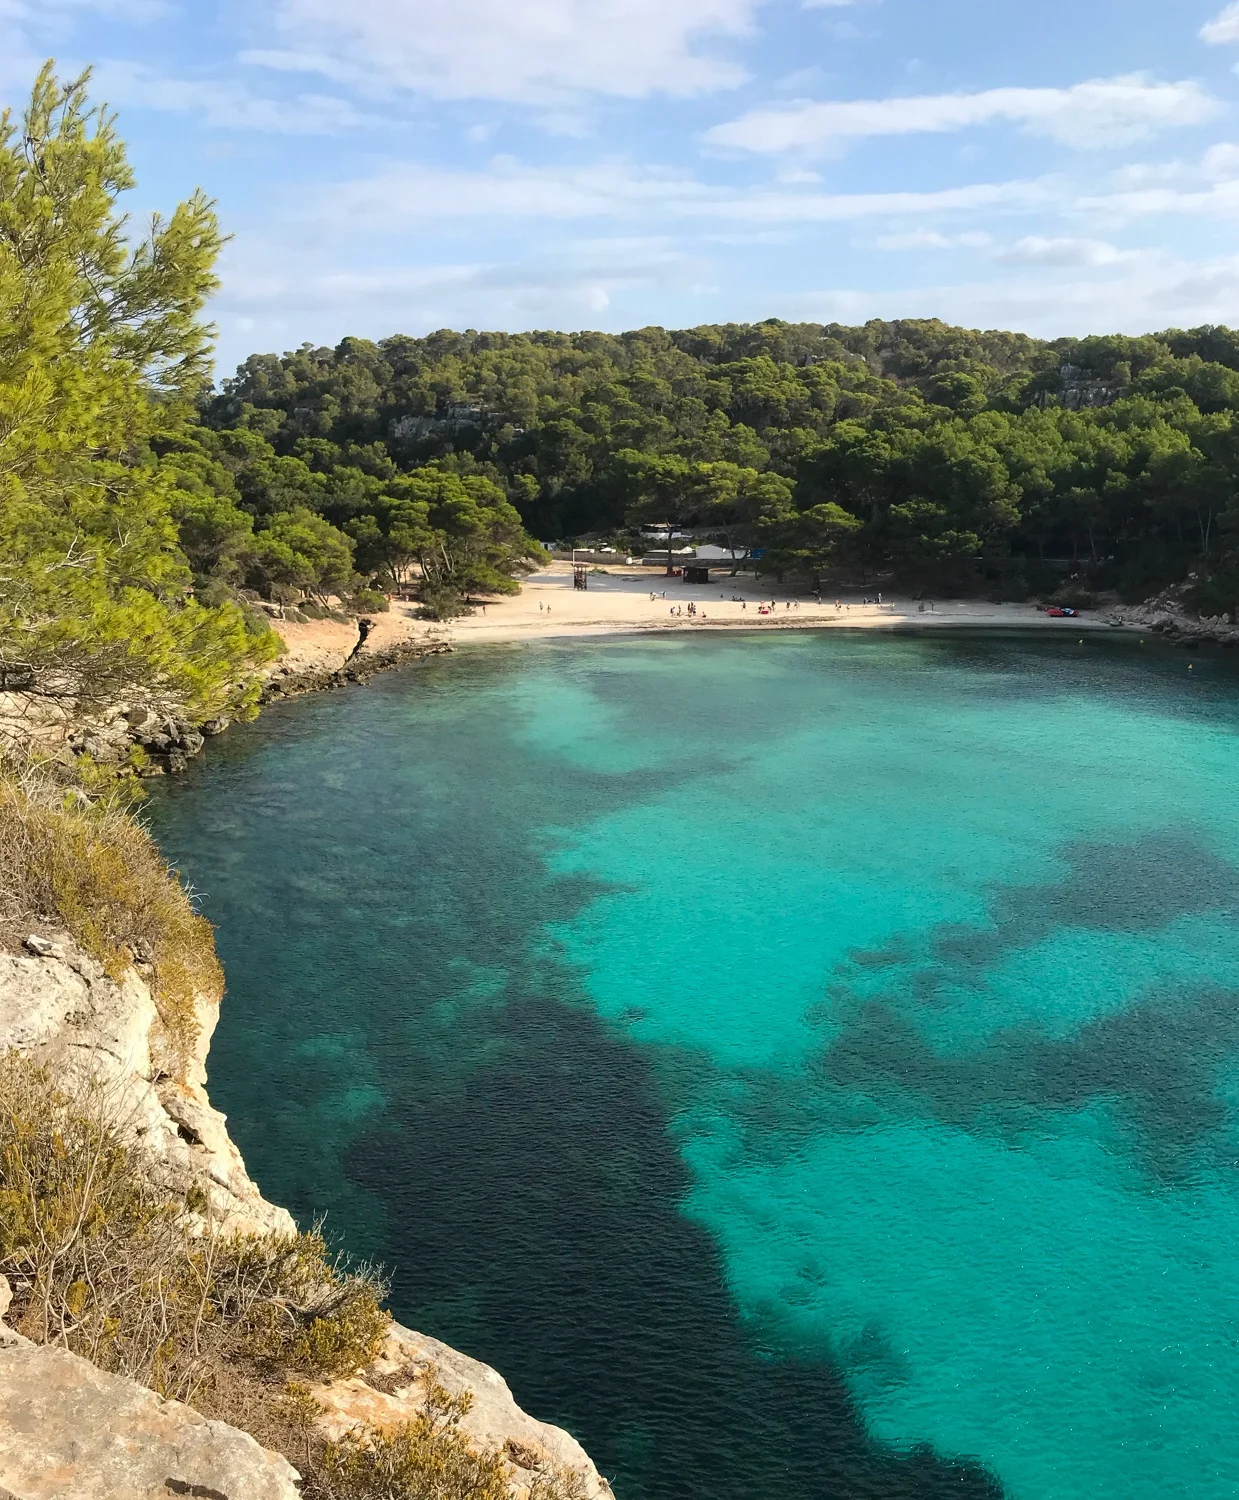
x=102, y=350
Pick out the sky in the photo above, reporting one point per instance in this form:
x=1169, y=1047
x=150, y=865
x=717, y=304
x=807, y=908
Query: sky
x=397, y=166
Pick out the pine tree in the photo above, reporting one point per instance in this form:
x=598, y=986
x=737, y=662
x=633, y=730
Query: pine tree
x=102, y=349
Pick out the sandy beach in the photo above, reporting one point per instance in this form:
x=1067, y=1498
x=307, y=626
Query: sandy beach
x=618, y=601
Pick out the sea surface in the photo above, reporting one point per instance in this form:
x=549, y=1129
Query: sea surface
x=804, y=1065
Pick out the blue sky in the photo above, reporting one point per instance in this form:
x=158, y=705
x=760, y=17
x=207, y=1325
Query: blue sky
x=403, y=165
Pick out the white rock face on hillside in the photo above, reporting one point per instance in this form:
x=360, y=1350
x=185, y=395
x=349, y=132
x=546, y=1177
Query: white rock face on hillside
x=394, y=1389
x=64, y=1011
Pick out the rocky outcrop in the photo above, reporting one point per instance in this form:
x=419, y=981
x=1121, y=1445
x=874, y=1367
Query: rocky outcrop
x=60, y=1008
x=70, y=1431
x=356, y=666
x=394, y=1389
x=1168, y=616
x=167, y=743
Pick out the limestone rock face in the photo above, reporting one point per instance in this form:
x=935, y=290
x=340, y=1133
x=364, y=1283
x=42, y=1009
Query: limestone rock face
x=393, y=1390
x=66, y=1013
x=70, y=1431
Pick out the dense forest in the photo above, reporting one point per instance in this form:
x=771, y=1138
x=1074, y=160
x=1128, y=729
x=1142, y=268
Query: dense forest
x=949, y=458
x=143, y=508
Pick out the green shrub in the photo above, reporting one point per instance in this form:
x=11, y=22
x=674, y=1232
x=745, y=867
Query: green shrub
x=428, y=1458
x=442, y=603
x=371, y=602
x=1216, y=595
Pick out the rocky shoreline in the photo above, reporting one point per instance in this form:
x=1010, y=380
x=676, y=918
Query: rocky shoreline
x=1173, y=624
x=166, y=743
x=71, y=1430
x=68, y=1429
x=360, y=667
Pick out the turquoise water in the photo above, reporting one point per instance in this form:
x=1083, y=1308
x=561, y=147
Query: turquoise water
x=808, y=1061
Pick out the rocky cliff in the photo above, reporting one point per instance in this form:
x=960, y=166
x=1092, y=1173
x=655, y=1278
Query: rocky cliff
x=68, y=1429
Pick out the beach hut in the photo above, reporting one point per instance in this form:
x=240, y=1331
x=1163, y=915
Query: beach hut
x=696, y=572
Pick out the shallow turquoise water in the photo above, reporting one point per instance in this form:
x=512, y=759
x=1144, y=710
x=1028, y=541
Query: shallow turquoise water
x=835, y=1034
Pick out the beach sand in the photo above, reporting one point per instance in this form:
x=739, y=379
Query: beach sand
x=618, y=602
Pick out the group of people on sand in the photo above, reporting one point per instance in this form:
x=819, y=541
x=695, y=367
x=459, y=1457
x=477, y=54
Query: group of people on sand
x=678, y=609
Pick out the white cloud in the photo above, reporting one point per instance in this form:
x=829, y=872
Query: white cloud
x=225, y=104
x=1102, y=112
x=528, y=51
x=1208, y=187
x=390, y=201
x=1040, y=250
x=1223, y=27
x=1152, y=294
x=273, y=300
x=933, y=239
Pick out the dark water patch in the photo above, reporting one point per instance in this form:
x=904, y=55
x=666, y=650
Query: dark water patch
x=1160, y=1060
x=925, y=1194
x=397, y=1053
x=1158, y=1063
x=534, y=1220
x=1106, y=886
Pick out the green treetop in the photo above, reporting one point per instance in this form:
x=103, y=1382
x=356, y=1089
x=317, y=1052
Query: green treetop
x=102, y=349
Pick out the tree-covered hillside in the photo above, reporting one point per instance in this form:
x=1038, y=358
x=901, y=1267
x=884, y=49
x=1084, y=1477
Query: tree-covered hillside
x=951, y=457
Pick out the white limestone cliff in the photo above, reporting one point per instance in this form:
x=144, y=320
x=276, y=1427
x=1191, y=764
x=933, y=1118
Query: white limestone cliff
x=68, y=1429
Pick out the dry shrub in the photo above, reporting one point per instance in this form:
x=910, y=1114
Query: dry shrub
x=428, y=1458
x=105, y=1265
x=90, y=866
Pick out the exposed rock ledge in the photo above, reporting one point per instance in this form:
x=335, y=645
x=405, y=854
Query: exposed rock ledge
x=70, y=1431
x=1169, y=617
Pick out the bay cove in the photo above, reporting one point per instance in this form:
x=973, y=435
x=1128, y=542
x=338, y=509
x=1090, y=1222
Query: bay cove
x=803, y=1062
